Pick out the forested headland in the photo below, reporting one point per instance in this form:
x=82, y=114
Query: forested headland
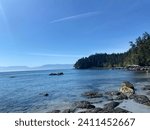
x=138, y=54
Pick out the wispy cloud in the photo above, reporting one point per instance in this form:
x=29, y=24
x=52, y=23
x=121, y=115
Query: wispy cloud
x=55, y=55
x=75, y=17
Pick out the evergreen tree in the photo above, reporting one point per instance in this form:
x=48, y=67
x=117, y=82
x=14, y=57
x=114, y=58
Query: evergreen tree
x=138, y=54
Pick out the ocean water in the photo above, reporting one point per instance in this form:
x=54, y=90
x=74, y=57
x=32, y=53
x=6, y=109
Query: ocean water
x=23, y=91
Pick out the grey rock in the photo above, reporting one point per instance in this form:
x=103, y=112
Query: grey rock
x=12, y=77
x=83, y=104
x=92, y=95
x=148, y=93
x=117, y=110
x=107, y=111
x=121, y=97
x=68, y=111
x=94, y=110
x=55, y=111
x=113, y=93
x=146, y=87
x=120, y=110
x=56, y=74
x=44, y=94
x=142, y=99
x=111, y=105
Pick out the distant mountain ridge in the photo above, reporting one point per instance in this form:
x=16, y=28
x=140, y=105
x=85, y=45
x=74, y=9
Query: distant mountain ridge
x=43, y=67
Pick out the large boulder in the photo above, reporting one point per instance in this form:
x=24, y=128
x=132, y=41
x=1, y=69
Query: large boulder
x=142, y=99
x=127, y=88
x=92, y=94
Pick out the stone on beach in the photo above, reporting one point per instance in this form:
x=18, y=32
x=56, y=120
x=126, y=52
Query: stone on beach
x=111, y=105
x=146, y=87
x=113, y=93
x=55, y=111
x=68, y=111
x=92, y=94
x=120, y=110
x=100, y=110
x=148, y=93
x=142, y=99
x=94, y=110
x=121, y=97
x=83, y=104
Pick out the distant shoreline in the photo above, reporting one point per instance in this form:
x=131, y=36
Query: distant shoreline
x=129, y=68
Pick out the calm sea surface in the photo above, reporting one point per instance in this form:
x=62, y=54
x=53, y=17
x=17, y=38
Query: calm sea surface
x=23, y=91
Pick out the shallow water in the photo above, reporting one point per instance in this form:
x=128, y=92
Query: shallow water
x=23, y=91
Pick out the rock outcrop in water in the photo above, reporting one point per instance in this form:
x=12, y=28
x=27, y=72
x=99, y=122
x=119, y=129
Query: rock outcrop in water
x=56, y=74
x=44, y=94
x=12, y=77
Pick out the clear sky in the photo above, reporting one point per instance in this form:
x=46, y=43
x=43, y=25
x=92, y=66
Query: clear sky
x=37, y=32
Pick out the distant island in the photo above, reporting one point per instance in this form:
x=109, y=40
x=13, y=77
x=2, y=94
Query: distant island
x=138, y=54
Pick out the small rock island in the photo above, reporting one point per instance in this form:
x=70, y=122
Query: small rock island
x=56, y=74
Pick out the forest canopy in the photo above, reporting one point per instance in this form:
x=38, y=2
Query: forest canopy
x=138, y=54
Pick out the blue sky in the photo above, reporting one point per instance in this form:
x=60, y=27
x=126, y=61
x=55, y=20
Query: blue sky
x=37, y=32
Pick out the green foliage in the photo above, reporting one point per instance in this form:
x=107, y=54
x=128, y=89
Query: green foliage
x=138, y=54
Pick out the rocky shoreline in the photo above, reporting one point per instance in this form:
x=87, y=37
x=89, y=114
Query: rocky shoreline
x=135, y=68
x=113, y=100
